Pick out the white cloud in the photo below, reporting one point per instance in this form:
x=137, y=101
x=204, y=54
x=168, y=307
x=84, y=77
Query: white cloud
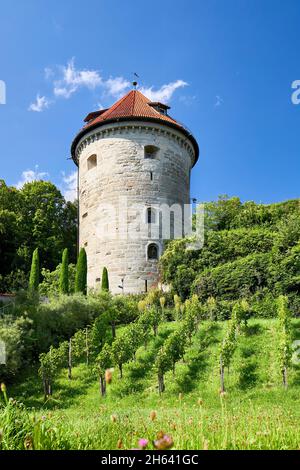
x=188, y=100
x=99, y=106
x=219, y=101
x=40, y=104
x=70, y=186
x=73, y=79
x=31, y=175
x=67, y=80
x=116, y=86
x=164, y=93
x=49, y=73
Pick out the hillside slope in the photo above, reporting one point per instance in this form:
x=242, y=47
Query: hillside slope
x=256, y=411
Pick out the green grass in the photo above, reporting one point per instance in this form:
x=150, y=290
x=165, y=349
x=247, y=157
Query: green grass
x=256, y=413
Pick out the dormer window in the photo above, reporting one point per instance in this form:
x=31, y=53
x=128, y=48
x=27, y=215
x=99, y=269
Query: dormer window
x=150, y=151
x=92, y=162
x=160, y=107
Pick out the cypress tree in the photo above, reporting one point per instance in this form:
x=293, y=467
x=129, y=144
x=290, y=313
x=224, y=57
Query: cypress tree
x=81, y=272
x=64, y=273
x=105, y=281
x=34, y=279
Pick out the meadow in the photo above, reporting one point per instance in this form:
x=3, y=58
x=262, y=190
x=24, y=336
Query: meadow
x=255, y=412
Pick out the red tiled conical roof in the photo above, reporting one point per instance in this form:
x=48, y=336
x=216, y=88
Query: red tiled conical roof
x=133, y=106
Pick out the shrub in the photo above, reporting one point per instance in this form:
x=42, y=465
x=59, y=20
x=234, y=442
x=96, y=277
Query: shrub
x=17, y=335
x=64, y=273
x=105, y=281
x=50, y=285
x=34, y=278
x=234, y=280
x=81, y=272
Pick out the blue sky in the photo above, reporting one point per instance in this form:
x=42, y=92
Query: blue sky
x=226, y=68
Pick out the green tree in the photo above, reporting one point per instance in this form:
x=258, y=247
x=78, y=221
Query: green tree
x=163, y=363
x=50, y=285
x=103, y=362
x=35, y=215
x=121, y=351
x=34, y=279
x=105, y=281
x=48, y=221
x=81, y=272
x=229, y=343
x=64, y=273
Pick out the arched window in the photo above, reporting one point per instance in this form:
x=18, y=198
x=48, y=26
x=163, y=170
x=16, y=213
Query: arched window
x=152, y=251
x=150, y=151
x=92, y=162
x=151, y=216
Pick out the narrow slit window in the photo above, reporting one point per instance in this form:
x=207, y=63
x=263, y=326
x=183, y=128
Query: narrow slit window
x=150, y=216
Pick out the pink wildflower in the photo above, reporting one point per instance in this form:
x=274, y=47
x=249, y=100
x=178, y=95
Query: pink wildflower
x=143, y=443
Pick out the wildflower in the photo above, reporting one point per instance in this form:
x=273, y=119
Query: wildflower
x=190, y=421
x=163, y=443
x=120, y=444
x=222, y=394
x=173, y=426
x=108, y=376
x=153, y=415
x=43, y=418
x=143, y=443
x=113, y=418
x=200, y=402
x=28, y=444
x=205, y=444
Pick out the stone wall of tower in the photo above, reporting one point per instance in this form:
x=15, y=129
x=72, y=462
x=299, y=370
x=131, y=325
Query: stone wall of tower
x=122, y=178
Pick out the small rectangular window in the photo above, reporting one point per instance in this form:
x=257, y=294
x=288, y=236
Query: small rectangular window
x=150, y=151
x=92, y=162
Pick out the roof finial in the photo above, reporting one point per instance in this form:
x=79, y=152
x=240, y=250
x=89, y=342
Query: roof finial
x=135, y=83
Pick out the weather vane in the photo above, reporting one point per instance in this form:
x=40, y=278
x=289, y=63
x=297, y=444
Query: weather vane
x=134, y=83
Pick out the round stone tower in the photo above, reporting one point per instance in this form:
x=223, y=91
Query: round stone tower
x=134, y=165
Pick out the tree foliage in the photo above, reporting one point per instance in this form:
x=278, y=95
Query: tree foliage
x=35, y=215
x=64, y=273
x=105, y=281
x=34, y=279
x=249, y=248
x=81, y=272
